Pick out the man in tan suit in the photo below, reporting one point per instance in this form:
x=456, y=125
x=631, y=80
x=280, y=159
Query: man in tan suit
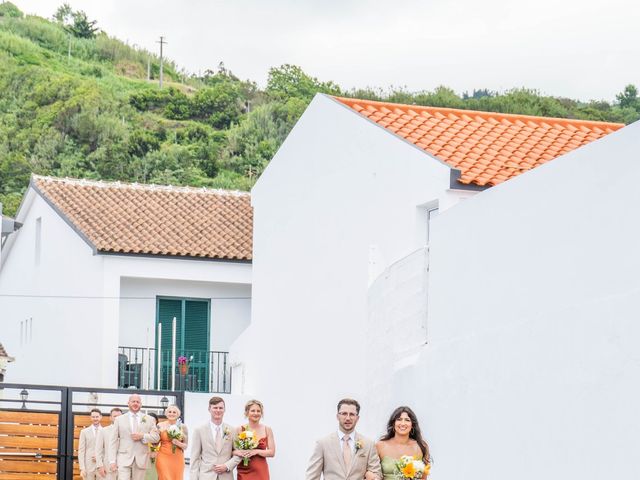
x=211, y=447
x=128, y=445
x=345, y=454
x=87, y=448
x=102, y=447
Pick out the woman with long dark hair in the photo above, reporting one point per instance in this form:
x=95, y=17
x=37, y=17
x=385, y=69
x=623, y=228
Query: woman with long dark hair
x=403, y=437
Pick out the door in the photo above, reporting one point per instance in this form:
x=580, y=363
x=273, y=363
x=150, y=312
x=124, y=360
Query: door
x=191, y=342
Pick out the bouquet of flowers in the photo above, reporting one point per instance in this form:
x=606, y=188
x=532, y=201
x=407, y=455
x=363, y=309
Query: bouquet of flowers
x=174, y=432
x=154, y=448
x=411, y=468
x=247, y=440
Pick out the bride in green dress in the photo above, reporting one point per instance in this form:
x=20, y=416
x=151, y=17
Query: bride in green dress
x=403, y=437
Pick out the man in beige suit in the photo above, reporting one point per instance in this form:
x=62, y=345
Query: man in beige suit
x=345, y=454
x=211, y=447
x=102, y=447
x=87, y=448
x=128, y=445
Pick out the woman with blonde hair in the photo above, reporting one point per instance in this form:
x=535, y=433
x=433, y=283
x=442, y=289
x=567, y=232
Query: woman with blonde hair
x=170, y=459
x=257, y=468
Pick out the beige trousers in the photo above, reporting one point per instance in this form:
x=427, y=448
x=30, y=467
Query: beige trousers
x=132, y=472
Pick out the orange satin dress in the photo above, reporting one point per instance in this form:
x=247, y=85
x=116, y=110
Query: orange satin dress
x=257, y=468
x=169, y=465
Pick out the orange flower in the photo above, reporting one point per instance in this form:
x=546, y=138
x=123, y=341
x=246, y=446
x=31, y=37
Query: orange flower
x=408, y=470
x=427, y=469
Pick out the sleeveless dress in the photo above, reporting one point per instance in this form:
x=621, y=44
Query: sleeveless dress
x=389, y=470
x=257, y=468
x=170, y=466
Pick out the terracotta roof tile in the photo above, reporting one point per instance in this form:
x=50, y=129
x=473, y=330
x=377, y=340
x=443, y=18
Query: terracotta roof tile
x=156, y=220
x=480, y=144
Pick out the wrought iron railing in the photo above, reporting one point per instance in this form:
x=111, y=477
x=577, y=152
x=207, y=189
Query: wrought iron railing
x=143, y=368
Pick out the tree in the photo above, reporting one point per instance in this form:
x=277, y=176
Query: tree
x=290, y=81
x=64, y=14
x=8, y=9
x=82, y=27
x=629, y=97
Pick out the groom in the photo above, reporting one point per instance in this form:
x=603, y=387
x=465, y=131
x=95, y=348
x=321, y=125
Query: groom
x=211, y=447
x=345, y=454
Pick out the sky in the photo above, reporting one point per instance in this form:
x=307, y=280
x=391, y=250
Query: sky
x=581, y=49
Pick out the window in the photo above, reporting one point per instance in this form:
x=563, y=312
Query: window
x=191, y=341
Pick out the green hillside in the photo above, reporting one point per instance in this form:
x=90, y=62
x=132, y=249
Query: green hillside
x=77, y=103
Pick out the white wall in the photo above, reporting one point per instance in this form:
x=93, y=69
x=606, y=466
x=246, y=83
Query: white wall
x=532, y=366
x=336, y=205
x=61, y=299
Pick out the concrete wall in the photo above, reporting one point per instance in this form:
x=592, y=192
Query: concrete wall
x=532, y=364
x=339, y=202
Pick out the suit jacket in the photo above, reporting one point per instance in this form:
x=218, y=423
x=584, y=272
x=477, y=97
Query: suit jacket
x=123, y=450
x=87, y=449
x=204, y=454
x=102, y=447
x=327, y=460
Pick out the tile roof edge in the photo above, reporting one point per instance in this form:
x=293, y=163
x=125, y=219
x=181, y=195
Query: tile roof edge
x=139, y=186
x=511, y=116
x=395, y=135
x=61, y=213
x=105, y=252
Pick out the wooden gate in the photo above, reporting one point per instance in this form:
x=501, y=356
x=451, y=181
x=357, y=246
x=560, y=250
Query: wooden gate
x=29, y=445
x=42, y=443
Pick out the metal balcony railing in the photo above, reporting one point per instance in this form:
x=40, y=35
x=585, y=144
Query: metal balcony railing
x=205, y=371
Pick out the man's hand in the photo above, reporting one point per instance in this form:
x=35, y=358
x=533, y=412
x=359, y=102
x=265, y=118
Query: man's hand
x=102, y=471
x=137, y=436
x=83, y=474
x=222, y=468
x=113, y=467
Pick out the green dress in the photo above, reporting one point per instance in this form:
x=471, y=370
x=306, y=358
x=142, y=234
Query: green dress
x=389, y=469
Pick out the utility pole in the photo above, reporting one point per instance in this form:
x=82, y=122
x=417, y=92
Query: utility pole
x=162, y=43
x=148, y=68
x=69, y=52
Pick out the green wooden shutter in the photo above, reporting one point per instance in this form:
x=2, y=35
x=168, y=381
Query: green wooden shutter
x=196, y=342
x=167, y=310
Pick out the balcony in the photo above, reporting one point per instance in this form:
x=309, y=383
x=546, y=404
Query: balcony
x=142, y=368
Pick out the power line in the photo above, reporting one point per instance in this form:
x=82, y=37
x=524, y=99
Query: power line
x=89, y=297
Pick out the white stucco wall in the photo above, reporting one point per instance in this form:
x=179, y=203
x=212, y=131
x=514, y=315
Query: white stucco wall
x=336, y=205
x=59, y=297
x=532, y=366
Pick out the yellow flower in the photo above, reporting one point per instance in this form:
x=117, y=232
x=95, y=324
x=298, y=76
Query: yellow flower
x=408, y=470
x=242, y=435
x=427, y=469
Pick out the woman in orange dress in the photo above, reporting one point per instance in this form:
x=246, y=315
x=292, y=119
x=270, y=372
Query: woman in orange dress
x=170, y=459
x=257, y=469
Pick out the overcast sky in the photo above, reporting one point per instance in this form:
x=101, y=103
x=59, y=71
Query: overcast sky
x=583, y=49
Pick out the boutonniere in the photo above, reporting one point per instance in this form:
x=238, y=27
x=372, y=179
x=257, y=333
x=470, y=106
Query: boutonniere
x=144, y=419
x=226, y=432
x=358, y=445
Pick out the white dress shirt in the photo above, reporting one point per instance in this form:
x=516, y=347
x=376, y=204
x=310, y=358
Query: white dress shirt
x=352, y=440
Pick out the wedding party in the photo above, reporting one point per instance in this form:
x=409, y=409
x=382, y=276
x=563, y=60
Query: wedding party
x=143, y=446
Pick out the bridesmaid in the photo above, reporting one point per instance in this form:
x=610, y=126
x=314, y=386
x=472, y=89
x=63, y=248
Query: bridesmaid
x=403, y=437
x=257, y=468
x=170, y=464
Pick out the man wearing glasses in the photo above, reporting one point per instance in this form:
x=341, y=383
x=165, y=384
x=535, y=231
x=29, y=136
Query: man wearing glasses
x=345, y=454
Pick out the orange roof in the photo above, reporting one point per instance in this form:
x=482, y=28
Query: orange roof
x=488, y=148
x=118, y=217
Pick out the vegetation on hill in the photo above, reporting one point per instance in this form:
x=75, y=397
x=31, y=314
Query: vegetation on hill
x=76, y=102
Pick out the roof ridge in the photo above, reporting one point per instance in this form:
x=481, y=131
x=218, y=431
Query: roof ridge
x=139, y=186
x=483, y=113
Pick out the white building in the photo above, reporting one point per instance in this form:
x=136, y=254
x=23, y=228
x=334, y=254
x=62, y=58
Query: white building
x=99, y=269
x=344, y=282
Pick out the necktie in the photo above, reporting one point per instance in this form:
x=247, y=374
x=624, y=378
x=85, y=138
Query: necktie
x=218, y=438
x=346, y=450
